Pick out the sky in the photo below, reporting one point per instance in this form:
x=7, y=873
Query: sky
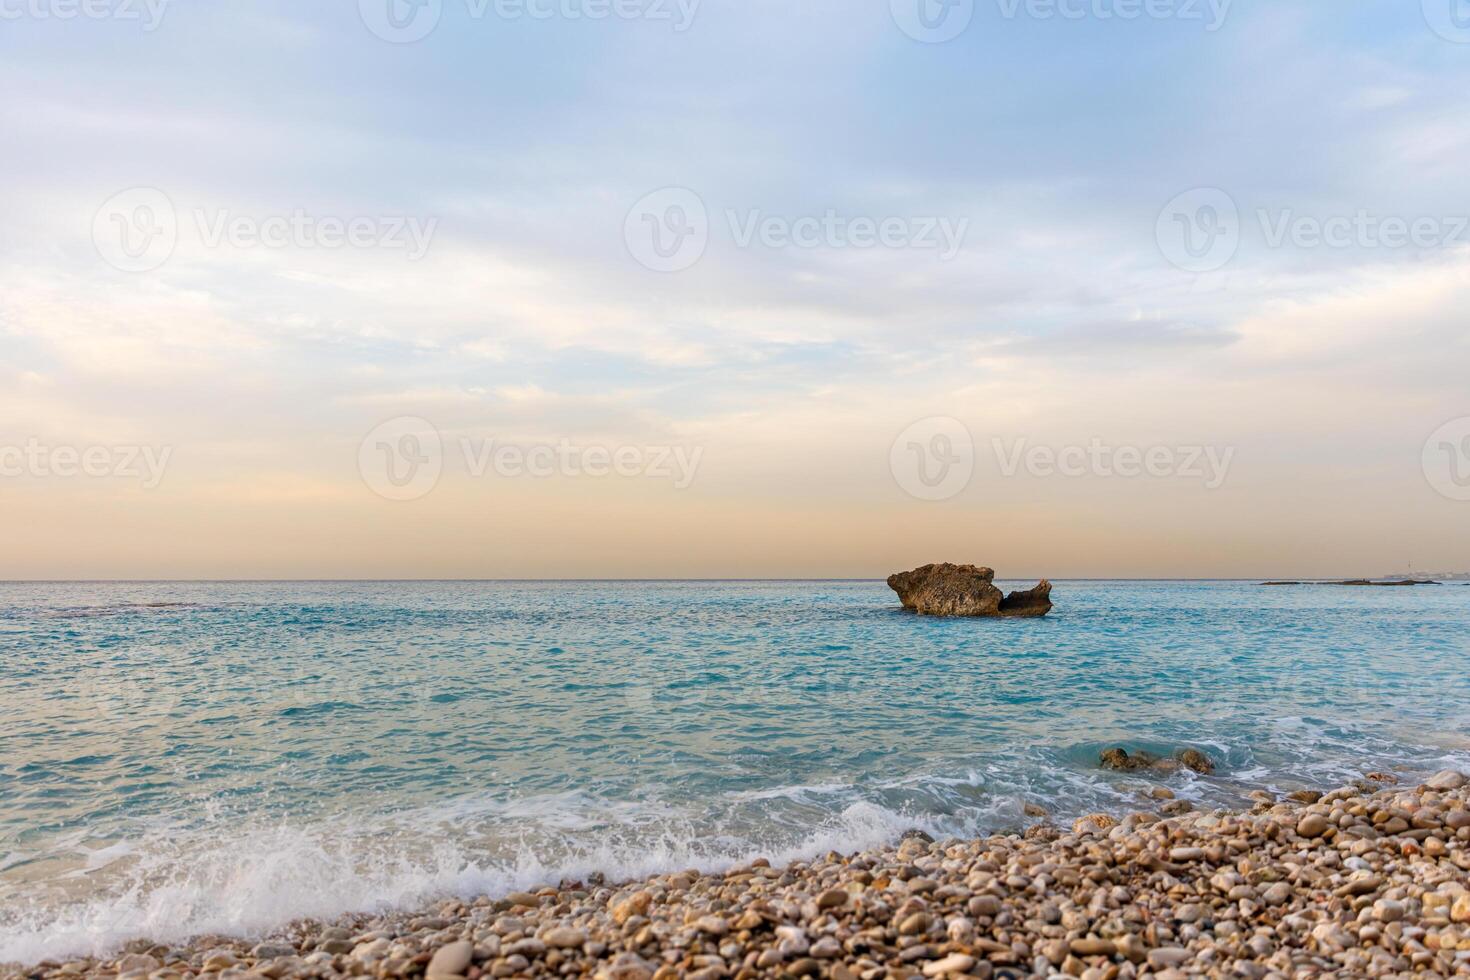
x=733, y=288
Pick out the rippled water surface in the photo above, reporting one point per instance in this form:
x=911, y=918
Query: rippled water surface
x=182, y=758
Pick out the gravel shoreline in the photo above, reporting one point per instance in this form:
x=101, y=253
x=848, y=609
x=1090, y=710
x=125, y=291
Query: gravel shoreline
x=1362, y=881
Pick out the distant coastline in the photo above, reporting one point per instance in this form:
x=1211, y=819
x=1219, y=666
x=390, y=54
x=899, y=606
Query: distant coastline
x=1397, y=583
x=1438, y=576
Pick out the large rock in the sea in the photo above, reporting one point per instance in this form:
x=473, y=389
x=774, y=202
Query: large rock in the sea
x=948, y=590
x=965, y=590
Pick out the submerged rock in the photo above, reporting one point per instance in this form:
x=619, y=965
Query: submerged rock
x=1196, y=760
x=1120, y=760
x=965, y=590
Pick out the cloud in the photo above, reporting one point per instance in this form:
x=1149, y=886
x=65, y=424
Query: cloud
x=794, y=368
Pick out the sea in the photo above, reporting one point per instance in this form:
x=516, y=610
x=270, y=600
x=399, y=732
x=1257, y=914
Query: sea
x=180, y=759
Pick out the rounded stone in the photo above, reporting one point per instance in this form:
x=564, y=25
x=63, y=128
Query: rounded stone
x=1446, y=779
x=953, y=963
x=452, y=960
x=1312, y=825
x=564, y=937
x=832, y=898
x=914, y=924
x=1387, y=910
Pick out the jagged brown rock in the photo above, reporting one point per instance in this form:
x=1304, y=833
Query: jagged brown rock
x=1035, y=601
x=1196, y=760
x=1120, y=761
x=965, y=590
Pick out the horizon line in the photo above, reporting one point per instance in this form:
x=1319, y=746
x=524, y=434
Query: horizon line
x=446, y=581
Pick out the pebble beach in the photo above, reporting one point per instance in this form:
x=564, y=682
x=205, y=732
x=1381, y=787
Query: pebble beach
x=1371, y=879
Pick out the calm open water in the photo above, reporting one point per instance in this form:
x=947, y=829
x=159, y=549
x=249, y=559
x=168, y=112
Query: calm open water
x=224, y=757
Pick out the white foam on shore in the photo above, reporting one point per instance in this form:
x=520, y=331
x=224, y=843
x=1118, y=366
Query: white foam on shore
x=252, y=878
x=251, y=882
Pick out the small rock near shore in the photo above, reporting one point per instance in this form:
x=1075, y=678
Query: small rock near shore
x=1120, y=760
x=1447, y=779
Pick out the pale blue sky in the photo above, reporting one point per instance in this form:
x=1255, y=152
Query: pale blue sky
x=524, y=142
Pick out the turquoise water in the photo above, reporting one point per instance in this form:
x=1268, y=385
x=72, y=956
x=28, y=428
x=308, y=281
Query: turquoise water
x=185, y=758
